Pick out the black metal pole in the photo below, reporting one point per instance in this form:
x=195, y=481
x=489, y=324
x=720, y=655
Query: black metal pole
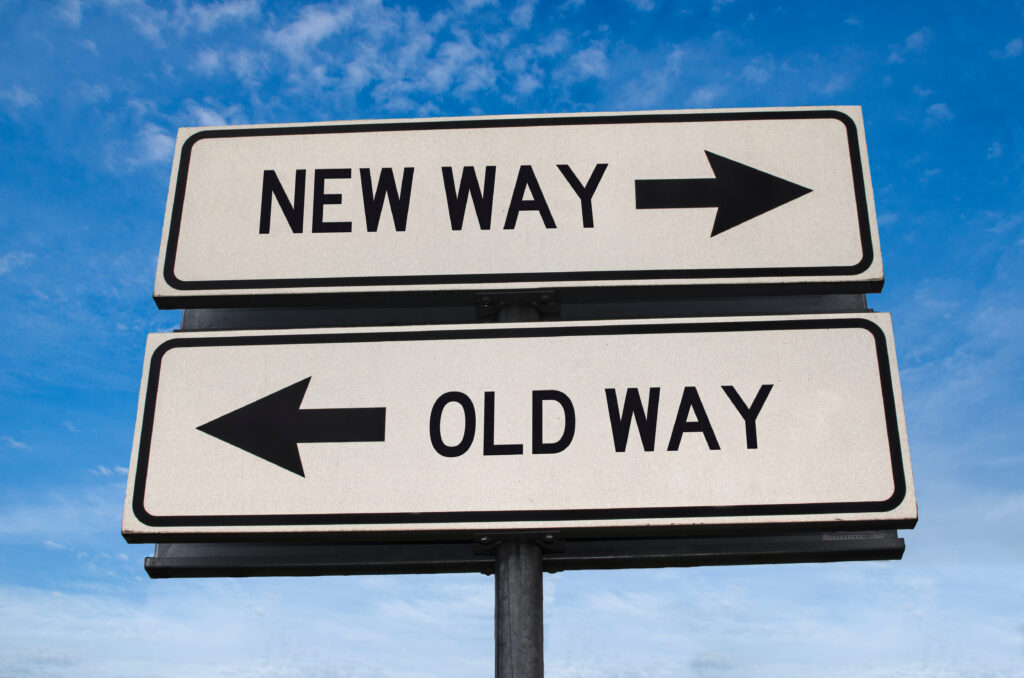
x=518, y=611
x=518, y=584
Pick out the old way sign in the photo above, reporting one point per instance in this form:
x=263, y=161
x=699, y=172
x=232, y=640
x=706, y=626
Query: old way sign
x=617, y=427
x=770, y=198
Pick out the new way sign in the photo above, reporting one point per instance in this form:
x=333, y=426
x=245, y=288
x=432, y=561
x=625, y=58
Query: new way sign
x=685, y=424
x=758, y=197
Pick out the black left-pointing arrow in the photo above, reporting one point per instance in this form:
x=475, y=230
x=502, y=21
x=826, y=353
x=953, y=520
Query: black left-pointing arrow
x=272, y=426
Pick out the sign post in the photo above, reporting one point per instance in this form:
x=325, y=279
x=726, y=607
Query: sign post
x=518, y=611
x=518, y=585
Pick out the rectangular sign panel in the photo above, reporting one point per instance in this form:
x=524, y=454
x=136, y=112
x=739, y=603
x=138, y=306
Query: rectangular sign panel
x=753, y=197
x=606, y=427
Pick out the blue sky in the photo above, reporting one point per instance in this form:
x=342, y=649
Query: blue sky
x=91, y=94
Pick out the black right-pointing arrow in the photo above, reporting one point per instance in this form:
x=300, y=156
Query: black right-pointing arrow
x=739, y=192
x=272, y=426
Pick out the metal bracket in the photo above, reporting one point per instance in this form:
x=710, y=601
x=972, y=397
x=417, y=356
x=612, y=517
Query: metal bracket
x=279, y=559
x=489, y=304
x=550, y=541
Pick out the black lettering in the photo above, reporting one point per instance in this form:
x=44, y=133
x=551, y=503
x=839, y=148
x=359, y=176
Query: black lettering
x=585, y=193
x=320, y=198
x=539, y=446
x=483, y=201
x=489, y=446
x=633, y=409
x=527, y=179
x=373, y=200
x=272, y=188
x=435, y=424
x=691, y=402
x=749, y=414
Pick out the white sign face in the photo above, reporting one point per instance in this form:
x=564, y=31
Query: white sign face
x=755, y=197
x=693, y=424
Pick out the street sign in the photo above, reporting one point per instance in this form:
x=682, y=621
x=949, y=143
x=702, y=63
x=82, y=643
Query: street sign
x=610, y=427
x=776, y=199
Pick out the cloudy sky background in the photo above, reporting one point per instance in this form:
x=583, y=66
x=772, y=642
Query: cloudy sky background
x=91, y=94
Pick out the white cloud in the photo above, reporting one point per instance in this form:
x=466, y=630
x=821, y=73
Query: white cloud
x=412, y=68
x=995, y=150
x=207, y=61
x=628, y=604
x=19, y=97
x=921, y=91
x=836, y=83
x=524, y=57
x=210, y=115
x=248, y=65
x=556, y=43
x=938, y=113
x=477, y=77
x=148, y=21
x=705, y=96
x=93, y=93
x=888, y=218
x=521, y=15
x=315, y=23
x=101, y=471
x=642, y=5
x=1004, y=223
x=760, y=70
x=356, y=75
x=16, y=444
x=208, y=17
x=591, y=62
x=458, y=66
x=652, y=86
x=69, y=426
x=69, y=11
x=527, y=83
x=271, y=628
x=454, y=58
x=915, y=42
x=408, y=62
x=1010, y=50
x=183, y=18
x=71, y=515
x=141, y=107
x=717, y=5
x=13, y=260
x=152, y=144
x=525, y=62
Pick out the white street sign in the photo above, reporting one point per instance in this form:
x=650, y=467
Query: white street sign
x=752, y=197
x=600, y=426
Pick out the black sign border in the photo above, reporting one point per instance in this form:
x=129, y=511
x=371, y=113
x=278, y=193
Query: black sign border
x=552, y=517
x=355, y=283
